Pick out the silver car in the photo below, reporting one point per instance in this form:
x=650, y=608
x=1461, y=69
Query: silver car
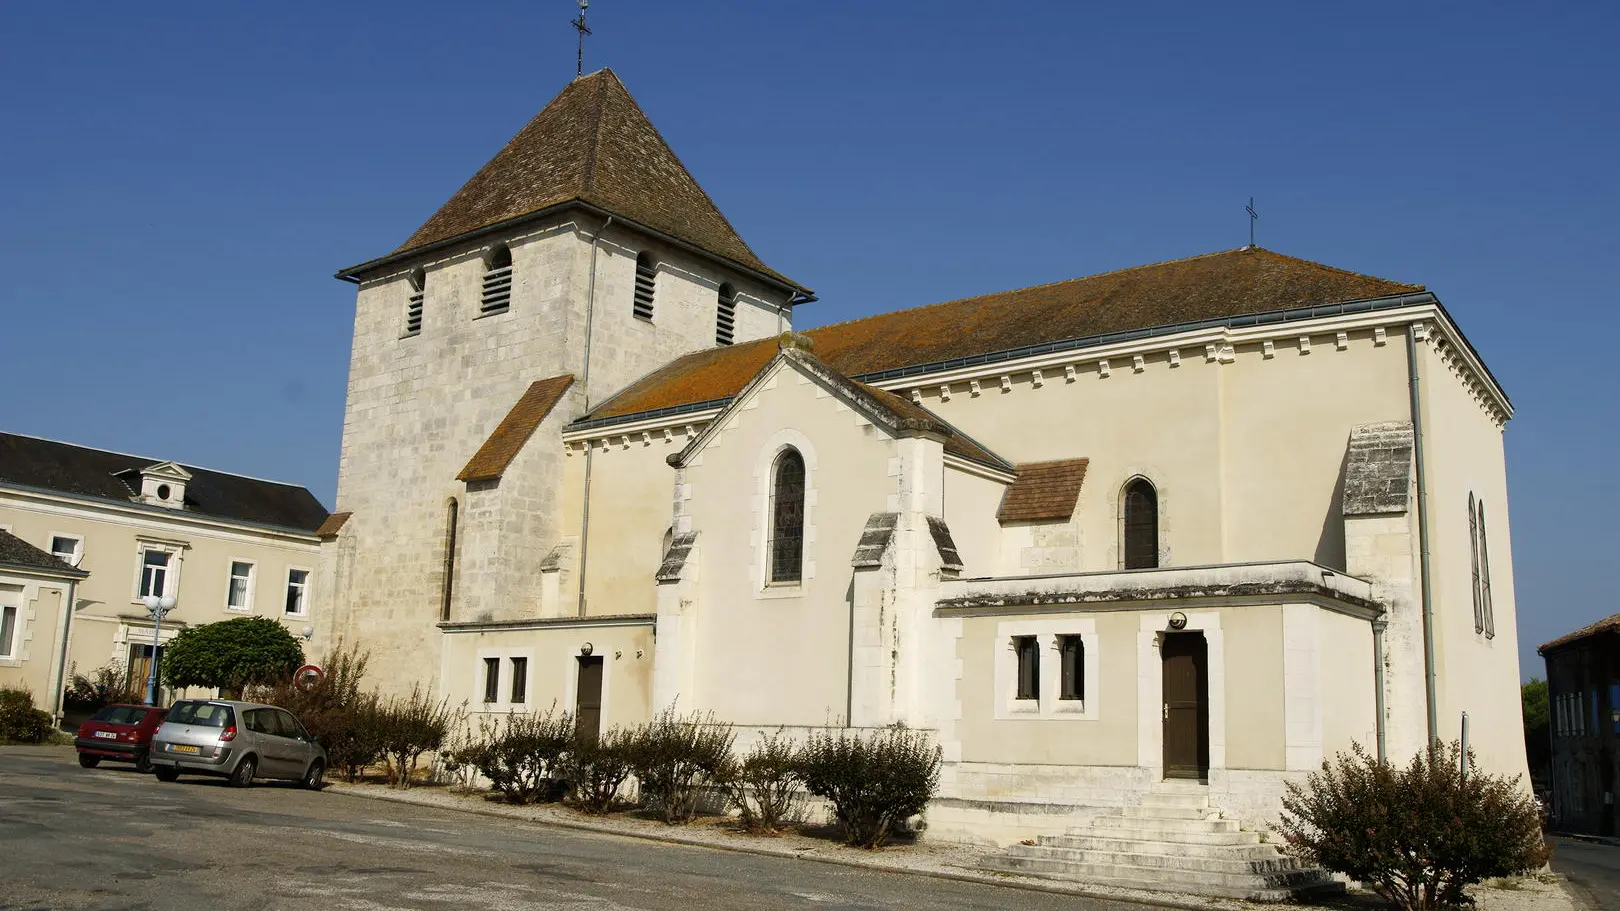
x=239, y=741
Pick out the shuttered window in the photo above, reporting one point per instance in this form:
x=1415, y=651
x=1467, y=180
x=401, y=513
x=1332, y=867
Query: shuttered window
x=1028, y=650
x=725, y=317
x=1072, y=660
x=447, y=593
x=646, y=284
x=1141, y=530
x=497, y=294
x=1473, y=555
x=414, y=301
x=1487, y=615
x=787, y=518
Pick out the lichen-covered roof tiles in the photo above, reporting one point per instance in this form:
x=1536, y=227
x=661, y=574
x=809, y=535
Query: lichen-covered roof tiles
x=514, y=430
x=1044, y=491
x=1213, y=286
x=592, y=144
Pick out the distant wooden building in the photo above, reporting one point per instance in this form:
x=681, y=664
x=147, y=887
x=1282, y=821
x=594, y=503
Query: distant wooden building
x=1583, y=693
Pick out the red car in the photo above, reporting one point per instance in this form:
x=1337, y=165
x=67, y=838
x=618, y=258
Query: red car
x=119, y=732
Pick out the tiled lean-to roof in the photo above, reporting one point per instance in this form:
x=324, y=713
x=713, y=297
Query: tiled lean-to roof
x=592, y=144
x=1609, y=624
x=1043, y=491
x=1200, y=288
x=334, y=523
x=514, y=430
x=81, y=471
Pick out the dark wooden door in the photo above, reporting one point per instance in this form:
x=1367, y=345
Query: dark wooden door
x=588, y=698
x=1186, y=705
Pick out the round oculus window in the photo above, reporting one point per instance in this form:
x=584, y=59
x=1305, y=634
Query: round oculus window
x=163, y=491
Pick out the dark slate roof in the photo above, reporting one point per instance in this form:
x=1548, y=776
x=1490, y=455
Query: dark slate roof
x=1044, y=492
x=504, y=443
x=97, y=473
x=1609, y=624
x=14, y=551
x=1213, y=286
x=592, y=144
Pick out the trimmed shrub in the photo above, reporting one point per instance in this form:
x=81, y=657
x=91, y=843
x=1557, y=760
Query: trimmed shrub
x=874, y=782
x=764, y=784
x=338, y=714
x=407, y=727
x=596, y=768
x=20, y=722
x=521, y=755
x=674, y=755
x=231, y=655
x=1417, y=836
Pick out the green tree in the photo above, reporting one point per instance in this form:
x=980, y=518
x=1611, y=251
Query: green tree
x=1537, y=718
x=231, y=654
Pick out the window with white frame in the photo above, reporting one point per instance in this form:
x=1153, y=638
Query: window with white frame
x=1071, y=667
x=297, y=592
x=155, y=572
x=520, y=680
x=239, y=596
x=1028, y=650
x=67, y=548
x=10, y=620
x=492, y=679
x=1046, y=669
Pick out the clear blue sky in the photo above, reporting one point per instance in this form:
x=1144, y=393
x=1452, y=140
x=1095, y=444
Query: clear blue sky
x=180, y=180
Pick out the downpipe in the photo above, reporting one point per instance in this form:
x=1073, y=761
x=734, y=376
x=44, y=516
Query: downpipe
x=585, y=381
x=1425, y=585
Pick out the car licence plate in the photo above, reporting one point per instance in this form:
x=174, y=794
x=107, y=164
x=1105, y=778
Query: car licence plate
x=106, y=735
x=182, y=748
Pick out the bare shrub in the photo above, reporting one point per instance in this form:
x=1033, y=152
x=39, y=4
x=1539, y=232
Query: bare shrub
x=596, y=768
x=875, y=782
x=339, y=714
x=764, y=784
x=520, y=754
x=407, y=727
x=674, y=755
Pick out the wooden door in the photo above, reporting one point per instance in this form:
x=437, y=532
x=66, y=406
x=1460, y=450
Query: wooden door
x=588, y=698
x=1186, y=705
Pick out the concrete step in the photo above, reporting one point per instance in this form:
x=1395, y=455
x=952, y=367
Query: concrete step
x=1255, y=859
x=1155, y=825
x=1119, y=839
x=1194, y=799
x=1269, y=888
x=1168, y=812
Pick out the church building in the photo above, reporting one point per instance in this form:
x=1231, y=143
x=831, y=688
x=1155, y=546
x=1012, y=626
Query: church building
x=1185, y=528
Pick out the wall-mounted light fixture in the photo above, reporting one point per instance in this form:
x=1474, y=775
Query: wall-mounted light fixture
x=1178, y=620
x=586, y=649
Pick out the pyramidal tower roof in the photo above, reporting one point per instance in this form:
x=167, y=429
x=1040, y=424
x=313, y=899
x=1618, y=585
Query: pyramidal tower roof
x=592, y=144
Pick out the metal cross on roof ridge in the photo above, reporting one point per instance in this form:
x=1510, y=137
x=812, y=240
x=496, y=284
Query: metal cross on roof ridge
x=1253, y=215
x=579, y=25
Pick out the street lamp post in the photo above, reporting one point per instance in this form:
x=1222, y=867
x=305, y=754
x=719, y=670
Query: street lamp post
x=159, y=608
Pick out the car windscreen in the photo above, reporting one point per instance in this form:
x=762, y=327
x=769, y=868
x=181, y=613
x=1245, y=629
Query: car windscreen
x=120, y=714
x=207, y=714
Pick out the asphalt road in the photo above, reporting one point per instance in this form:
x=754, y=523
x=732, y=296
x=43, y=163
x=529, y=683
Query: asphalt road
x=110, y=838
x=1593, y=872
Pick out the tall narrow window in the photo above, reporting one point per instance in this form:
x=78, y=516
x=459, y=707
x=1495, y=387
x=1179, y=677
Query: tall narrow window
x=154, y=573
x=413, y=302
x=646, y=284
x=1473, y=556
x=297, y=592
x=1072, y=658
x=1486, y=611
x=520, y=679
x=725, y=316
x=497, y=282
x=1141, y=525
x=239, y=594
x=8, y=631
x=787, y=518
x=492, y=679
x=1029, y=666
x=449, y=589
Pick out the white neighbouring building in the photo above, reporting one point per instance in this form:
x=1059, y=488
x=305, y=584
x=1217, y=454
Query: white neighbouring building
x=1155, y=531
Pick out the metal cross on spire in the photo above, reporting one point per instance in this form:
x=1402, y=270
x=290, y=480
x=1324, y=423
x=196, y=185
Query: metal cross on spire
x=1253, y=215
x=579, y=25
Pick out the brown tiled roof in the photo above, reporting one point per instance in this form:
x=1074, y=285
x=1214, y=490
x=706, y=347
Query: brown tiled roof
x=515, y=429
x=1609, y=624
x=1213, y=286
x=592, y=144
x=1043, y=492
x=332, y=525
x=956, y=442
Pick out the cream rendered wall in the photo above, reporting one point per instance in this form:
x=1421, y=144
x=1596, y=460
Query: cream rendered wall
x=1349, y=709
x=1254, y=687
x=971, y=502
x=1464, y=451
x=34, y=647
x=631, y=509
x=627, y=653
x=770, y=656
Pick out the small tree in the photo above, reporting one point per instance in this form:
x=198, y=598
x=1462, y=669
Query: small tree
x=407, y=727
x=521, y=755
x=875, y=783
x=764, y=784
x=1417, y=836
x=672, y=755
x=1537, y=722
x=231, y=654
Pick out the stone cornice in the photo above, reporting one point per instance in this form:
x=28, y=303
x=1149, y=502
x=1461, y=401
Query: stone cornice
x=494, y=626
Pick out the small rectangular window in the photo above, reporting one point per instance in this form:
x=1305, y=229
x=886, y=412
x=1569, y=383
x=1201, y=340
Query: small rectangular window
x=154, y=573
x=297, y=591
x=241, y=586
x=1072, y=654
x=67, y=548
x=1029, y=666
x=520, y=679
x=8, y=631
x=492, y=679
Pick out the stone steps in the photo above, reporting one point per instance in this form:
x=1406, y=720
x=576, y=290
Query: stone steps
x=1232, y=859
x=1117, y=840
x=1156, y=826
x=1273, y=888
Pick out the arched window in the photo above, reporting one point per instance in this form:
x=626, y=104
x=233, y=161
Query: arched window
x=646, y=284
x=725, y=316
x=449, y=559
x=787, y=518
x=497, y=282
x=413, y=302
x=1141, y=531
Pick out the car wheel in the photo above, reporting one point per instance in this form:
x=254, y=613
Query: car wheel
x=143, y=762
x=316, y=776
x=243, y=776
x=167, y=773
x=89, y=762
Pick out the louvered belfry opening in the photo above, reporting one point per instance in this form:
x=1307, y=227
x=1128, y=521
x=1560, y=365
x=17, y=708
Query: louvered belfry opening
x=413, y=303
x=787, y=518
x=725, y=317
x=1141, y=525
x=646, y=284
x=497, y=283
